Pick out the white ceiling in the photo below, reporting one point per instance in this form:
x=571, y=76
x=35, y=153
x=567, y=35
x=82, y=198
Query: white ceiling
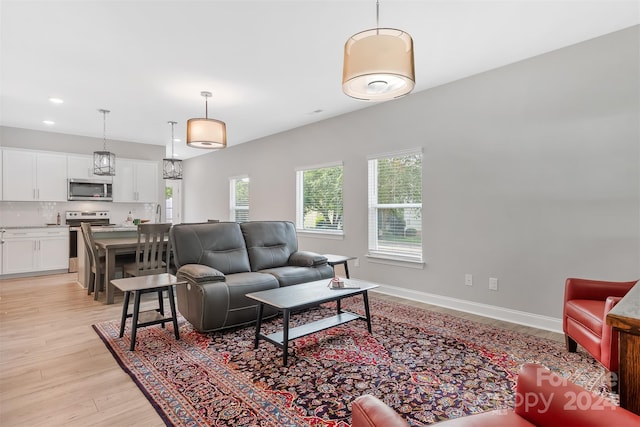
x=271, y=65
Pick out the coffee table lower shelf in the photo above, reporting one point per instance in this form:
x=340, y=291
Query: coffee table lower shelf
x=277, y=338
x=294, y=298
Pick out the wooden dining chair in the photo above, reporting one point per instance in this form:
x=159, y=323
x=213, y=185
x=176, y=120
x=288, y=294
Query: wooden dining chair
x=153, y=252
x=97, y=262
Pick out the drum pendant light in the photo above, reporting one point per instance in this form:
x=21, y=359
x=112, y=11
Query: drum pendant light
x=172, y=168
x=104, y=162
x=206, y=133
x=378, y=63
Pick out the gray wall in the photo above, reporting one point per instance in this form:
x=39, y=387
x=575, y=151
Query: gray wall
x=50, y=141
x=531, y=175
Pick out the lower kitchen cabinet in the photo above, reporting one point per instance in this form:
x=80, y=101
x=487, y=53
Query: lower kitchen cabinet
x=32, y=250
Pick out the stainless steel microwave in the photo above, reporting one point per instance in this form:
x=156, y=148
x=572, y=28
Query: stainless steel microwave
x=87, y=189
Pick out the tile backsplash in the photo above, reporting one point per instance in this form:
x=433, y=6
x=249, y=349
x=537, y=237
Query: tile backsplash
x=15, y=214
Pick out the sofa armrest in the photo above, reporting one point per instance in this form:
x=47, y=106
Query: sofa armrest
x=306, y=259
x=369, y=411
x=198, y=273
x=546, y=399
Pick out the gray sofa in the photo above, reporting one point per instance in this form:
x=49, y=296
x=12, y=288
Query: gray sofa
x=222, y=262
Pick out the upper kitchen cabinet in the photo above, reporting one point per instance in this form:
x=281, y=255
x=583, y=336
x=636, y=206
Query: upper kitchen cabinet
x=81, y=167
x=34, y=176
x=135, y=181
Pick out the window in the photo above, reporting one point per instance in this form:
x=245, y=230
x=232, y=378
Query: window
x=319, y=199
x=239, y=195
x=395, y=206
x=173, y=201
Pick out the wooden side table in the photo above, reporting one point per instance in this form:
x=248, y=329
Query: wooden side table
x=625, y=318
x=334, y=260
x=145, y=284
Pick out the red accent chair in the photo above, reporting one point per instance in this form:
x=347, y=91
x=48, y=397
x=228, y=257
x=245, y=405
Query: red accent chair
x=584, y=318
x=542, y=399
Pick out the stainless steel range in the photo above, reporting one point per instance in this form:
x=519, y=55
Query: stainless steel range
x=73, y=219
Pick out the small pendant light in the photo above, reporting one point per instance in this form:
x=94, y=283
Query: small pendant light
x=205, y=132
x=172, y=168
x=378, y=63
x=104, y=162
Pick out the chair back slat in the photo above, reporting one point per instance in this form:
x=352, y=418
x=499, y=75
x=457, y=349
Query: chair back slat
x=91, y=248
x=153, y=243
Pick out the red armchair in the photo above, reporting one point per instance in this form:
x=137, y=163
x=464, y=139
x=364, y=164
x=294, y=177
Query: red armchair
x=542, y=399
x=586, y=304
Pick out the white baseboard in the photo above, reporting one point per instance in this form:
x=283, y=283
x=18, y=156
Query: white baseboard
x=500, y=313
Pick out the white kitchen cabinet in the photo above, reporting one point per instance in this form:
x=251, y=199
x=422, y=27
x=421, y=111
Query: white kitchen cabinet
x=1, y=198
x=1, y=248
x=34, y=176
x=135, y=181
x=81, y=167
x=31, y=250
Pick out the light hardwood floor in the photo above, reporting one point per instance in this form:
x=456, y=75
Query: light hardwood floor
x=55, y=371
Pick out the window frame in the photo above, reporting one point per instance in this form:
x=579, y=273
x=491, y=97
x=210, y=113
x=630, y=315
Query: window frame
x=327, y=233
x=233, y=206
x=373, y=248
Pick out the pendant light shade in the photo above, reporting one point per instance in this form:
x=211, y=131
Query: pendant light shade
x=205, y=132
x=172, y=168
x=378, y=64
x=104, y=162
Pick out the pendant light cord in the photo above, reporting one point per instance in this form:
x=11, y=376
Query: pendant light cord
x=377, y=17
x=104, y=129
x=172, y=123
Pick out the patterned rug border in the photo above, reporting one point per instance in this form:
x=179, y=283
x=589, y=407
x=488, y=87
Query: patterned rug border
x=132, y=375
x=227, y=364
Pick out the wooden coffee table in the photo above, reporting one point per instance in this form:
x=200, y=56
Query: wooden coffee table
x=307, y=295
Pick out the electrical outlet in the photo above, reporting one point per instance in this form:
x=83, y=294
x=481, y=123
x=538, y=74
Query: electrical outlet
x=493, y=283
x=356, y=262
x=468, y=279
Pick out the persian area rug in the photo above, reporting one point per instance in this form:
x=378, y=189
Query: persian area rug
x=427, y=366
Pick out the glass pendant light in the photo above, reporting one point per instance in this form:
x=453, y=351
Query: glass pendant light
x=205, y=132
x=104, y=162
x=172, y=168
x=378, y=63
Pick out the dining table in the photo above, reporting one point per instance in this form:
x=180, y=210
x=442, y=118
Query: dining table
x=112, y=247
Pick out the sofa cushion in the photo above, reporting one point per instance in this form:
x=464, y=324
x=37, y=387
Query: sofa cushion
x=290, y=275
x=217, y=245
x=269, y=243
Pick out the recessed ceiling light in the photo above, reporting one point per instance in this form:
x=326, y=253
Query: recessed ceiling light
x=177, y=140
x=49, y=122
x=56, y=100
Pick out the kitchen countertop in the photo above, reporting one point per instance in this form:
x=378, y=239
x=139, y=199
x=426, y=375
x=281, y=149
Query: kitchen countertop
x=17, y=227
x=113, y=228
x=108, y=229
